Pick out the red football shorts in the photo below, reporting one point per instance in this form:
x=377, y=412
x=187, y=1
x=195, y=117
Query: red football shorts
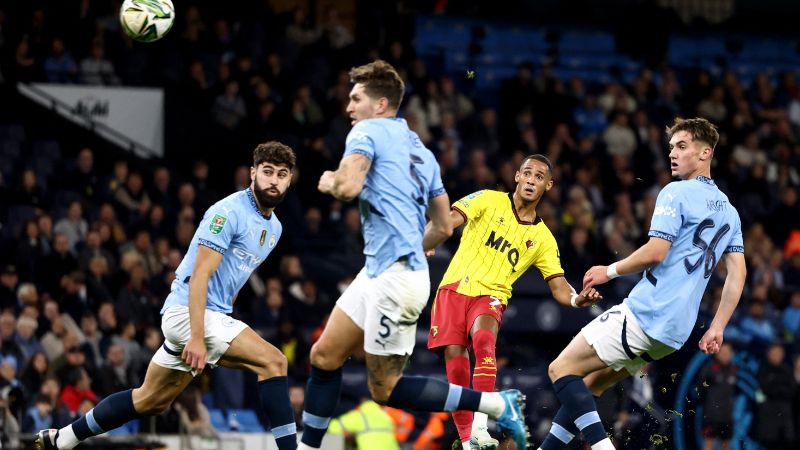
x=453, y=314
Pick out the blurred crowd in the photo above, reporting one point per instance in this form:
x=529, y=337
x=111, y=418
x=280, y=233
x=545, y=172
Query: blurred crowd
x=84, y=275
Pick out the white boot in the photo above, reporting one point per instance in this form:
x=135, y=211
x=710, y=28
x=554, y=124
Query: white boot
x=482, y=440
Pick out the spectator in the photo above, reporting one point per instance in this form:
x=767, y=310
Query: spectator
x=135, y=303
x=719, y=379
x=591, y=120
x=77, y=389
x=132, y=200
x=35, y=372
x=73, y=226
x=26, y=339
x=775, y=429
x=114, y=376
x=194, y=415
x=619, y=138
x=30, y=253
x=39, y=416
x=96, y=69
x=791, y=318
x=30, y=192
x=59, y=66
x=229, y=109
x=8, y=287
x=83, y=178
x=57, y=264
x=9, y=426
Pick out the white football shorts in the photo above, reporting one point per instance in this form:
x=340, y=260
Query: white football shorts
x=387, y=307
x=620, y=342
x=220, y=330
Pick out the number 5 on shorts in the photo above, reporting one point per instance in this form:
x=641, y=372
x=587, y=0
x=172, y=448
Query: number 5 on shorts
x=385, y=325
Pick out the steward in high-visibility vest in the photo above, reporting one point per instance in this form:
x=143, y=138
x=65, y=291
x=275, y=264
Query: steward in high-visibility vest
x=403, y=423
x=428, y=438
x=432, y=433
x=369, y=425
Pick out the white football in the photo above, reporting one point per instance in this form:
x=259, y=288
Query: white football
x=146, y=20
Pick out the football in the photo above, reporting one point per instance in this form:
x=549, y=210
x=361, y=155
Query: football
x=146, y=20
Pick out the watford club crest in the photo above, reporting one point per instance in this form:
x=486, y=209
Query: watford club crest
x=529, y=243
x=434, y=330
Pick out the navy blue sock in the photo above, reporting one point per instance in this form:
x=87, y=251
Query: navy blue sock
x=322, y=396
x=430, y=394
x=578, y=403
x=275, y=401
x=561, y=432
x=112, y=412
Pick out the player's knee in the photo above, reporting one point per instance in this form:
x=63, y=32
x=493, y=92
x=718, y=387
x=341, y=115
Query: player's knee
x=323, y=359
x=596, y=391
x=455, y=351
x=150, y=404
x=554, y=370
x=276, y=364
x=158, y=408
x=381, y=390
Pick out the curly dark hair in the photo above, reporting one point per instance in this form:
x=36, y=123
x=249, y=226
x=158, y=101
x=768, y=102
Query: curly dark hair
x=276, y=153
x=380, y=79
x=700, y=129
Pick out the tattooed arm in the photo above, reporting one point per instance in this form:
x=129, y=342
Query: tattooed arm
x=348, y=180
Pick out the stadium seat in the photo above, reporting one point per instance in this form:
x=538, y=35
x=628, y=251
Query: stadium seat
x=516, y=38
x=587, y=41
x=46, y=149
x=247, y=420
x=12, y=132
x=218, y=420
x=17, y=216
x=10, y=148
x=7, y=164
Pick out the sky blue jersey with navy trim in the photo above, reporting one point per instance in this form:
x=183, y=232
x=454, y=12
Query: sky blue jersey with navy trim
x=403, y=177
x=235, y=227
x=702, y=225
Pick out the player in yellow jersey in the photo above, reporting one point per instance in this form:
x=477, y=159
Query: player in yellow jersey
x=502, y=239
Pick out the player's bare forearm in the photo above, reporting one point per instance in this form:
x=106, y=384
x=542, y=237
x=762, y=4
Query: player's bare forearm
x=434, y=236
x=348, y=180
x=440, y=227
x=731, y=290
x=646, y=256
x=198, y=292
x=205, y=264
x=563, y=292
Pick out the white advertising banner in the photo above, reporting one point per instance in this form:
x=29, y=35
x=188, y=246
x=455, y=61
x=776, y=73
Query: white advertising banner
x=131, y=117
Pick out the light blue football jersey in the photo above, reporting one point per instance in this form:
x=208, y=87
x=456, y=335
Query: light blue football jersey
x=702, y=225
x=235, y=227
x=403, y=177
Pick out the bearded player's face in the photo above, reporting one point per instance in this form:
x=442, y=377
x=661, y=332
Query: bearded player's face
x=270, y=183
x=533, y=180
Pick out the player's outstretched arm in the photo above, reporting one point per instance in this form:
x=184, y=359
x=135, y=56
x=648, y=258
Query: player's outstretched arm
x=565, y=294
x=648, y=255
x=205, y=264
x=441, y=224
x=348, y=180
x=731, y=293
